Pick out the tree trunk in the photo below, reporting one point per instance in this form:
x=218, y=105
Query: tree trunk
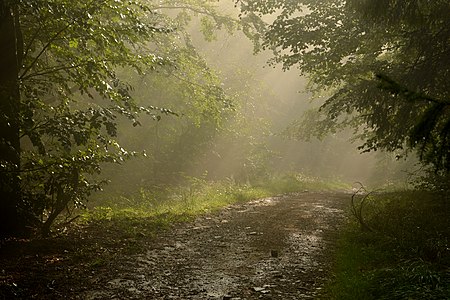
x=10, y=61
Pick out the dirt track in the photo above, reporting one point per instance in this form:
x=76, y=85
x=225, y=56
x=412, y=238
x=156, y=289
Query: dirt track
x=274, y=248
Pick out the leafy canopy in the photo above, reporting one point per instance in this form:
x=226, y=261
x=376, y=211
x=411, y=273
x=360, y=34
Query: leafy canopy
x=384, y=63
x=80, y=61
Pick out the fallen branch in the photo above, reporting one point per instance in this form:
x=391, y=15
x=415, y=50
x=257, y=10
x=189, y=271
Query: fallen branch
x=358, y=211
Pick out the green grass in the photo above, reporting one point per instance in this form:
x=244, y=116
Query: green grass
x=117, y=226
x=300, y=182
x=147, y=211
x=405, y=256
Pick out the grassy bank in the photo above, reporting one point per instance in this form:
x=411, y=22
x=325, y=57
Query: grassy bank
x=403, y=252
x=161, y=207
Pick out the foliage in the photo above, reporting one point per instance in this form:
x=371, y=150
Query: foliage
x=142, y=213
x=198, y=195
x=172, y=147
x=80, y=65
x=225, y=135
x=242, y=144
x=168, y=205
x=404, y=256
x=429, y=180
x=385, y=64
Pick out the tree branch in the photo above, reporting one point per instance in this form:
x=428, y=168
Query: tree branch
x=21, y=77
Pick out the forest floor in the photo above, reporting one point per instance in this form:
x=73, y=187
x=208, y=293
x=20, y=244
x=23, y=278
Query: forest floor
x=272, y=248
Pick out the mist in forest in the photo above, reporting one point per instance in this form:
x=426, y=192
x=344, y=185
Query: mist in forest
x=250, y=143
x=224, y=149
x=284, y=102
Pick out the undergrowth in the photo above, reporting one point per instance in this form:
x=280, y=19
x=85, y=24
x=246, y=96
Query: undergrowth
x=164, y=206
x=114, y=227
x=401, y=252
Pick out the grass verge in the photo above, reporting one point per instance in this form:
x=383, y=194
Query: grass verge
x=149, y=210
x=197, y=196
x=403, y=254
x=97, y=245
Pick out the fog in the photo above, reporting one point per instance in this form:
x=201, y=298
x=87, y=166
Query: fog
x=251, y=143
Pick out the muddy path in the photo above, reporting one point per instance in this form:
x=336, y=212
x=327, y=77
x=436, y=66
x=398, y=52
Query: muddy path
x=274, y=248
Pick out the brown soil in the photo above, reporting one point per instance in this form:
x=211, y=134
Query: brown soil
x=274, y=248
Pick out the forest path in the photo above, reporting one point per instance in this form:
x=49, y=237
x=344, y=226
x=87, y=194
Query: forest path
x=273, y=248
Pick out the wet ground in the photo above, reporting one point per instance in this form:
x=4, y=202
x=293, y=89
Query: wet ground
x=274, y=248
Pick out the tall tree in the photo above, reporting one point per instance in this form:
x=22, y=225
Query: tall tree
x=64, y=84
x=10, y=61
x=384, y=63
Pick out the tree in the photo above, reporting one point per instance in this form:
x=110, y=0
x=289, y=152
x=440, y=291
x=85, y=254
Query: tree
x=194, y=89
x=64, y=89
x=10, y=61
x=384, y=63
